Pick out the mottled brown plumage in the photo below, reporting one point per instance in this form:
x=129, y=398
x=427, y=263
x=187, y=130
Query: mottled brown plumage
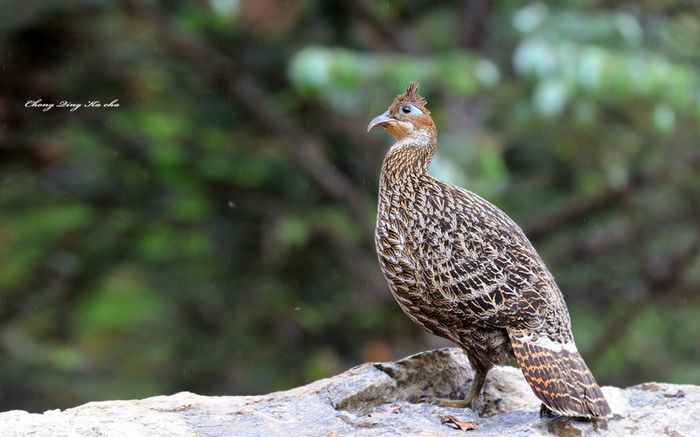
x=462, y=269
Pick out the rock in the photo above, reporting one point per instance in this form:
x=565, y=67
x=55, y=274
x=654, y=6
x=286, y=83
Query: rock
x=373, y=399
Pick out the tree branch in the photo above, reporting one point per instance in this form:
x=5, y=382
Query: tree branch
x=473, y=20
x=657, y=284
x=259, y=106
x=581, y=207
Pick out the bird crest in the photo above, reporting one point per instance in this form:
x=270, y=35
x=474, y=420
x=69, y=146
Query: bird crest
x=410, y=95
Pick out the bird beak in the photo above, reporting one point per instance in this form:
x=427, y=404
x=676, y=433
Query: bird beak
x=380, y=120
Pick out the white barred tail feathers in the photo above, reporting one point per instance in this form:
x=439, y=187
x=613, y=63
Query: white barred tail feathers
x=558, y=375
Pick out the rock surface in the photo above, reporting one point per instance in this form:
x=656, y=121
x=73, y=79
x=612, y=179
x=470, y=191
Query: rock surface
x=373, y=399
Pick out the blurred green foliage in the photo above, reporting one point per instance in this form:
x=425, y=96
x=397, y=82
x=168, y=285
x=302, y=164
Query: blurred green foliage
x=213, y=232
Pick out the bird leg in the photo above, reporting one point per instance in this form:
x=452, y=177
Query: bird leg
x=469, y=400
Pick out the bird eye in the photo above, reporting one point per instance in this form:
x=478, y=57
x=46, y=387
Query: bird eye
x=410, y=109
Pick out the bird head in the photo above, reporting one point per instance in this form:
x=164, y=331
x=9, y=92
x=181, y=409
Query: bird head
x=407, y=116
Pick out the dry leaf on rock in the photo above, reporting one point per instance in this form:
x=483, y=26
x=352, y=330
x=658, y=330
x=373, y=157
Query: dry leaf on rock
x=464, y=426
x=387, y=412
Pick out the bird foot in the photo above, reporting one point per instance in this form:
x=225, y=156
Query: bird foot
x=545, y=411
x=464, y=403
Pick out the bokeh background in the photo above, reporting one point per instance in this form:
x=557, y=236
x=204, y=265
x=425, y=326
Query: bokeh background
x=213, y=232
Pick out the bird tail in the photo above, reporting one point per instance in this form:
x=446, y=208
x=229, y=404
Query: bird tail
x=558, y=375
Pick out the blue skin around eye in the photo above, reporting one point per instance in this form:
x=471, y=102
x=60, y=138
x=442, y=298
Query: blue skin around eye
x=414, y=110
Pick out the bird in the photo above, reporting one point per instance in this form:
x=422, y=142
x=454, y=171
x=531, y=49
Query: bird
x=462, y=269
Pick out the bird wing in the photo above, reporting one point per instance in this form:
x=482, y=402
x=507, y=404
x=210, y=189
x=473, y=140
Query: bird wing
x=490, y=271
x=486, y=267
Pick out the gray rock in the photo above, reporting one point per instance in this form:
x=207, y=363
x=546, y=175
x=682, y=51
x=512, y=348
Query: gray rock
x=373, y=399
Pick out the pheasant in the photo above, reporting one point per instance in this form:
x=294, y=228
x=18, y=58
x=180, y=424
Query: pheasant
x=462, y=269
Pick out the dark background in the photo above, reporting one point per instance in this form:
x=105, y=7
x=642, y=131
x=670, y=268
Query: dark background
x=212, y=233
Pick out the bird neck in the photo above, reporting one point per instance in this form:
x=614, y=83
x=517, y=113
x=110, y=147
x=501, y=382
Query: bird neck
x=407, y=160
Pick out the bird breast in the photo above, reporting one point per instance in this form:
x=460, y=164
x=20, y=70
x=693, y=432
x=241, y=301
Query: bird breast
x=411, y=242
